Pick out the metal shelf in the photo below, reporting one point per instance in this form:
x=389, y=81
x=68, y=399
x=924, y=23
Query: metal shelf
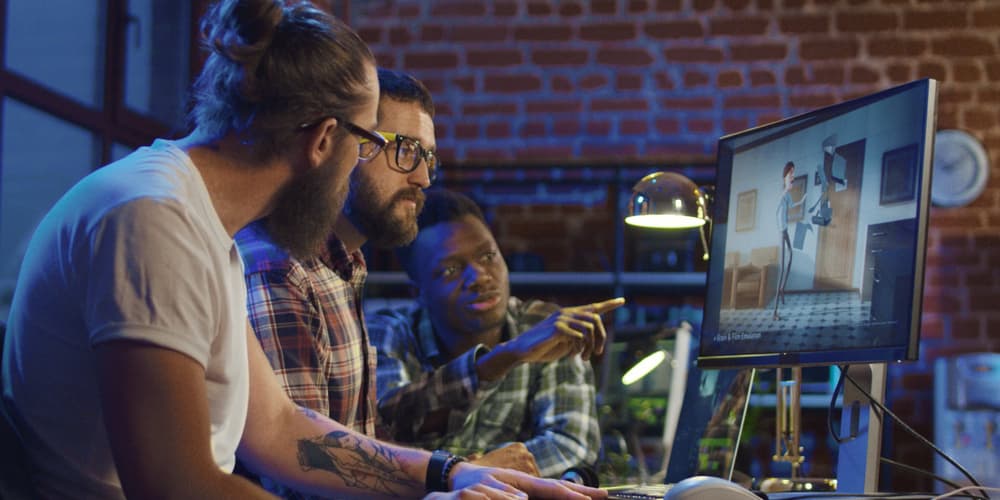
x=681, y=282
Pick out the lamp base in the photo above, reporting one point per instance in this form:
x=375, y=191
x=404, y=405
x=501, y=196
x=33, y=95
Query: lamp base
x=782, y=484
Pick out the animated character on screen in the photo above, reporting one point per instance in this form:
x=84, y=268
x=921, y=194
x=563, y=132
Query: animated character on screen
x=825, y=174
x=785, y=205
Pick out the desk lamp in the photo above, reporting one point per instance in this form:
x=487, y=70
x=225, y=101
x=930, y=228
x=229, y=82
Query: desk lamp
x=667, y=200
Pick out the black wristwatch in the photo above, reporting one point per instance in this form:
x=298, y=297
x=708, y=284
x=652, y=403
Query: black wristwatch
x=438, y=470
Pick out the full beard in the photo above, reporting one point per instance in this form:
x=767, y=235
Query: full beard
x=380, y=224
x=306, y=211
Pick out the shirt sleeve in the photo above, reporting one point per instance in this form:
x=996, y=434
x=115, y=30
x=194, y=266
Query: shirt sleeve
x=564, y=414
x=409, y=390
x=146, y=280
x=284, y=319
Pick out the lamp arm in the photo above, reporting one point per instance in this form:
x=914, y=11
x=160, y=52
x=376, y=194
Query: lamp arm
x=704, y=240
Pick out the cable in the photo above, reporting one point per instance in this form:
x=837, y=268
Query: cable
x=967, y=488
x=916, y=434
x=920, y=471
x=834, y=433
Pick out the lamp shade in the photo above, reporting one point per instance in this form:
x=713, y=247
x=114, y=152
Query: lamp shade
x=666, y=200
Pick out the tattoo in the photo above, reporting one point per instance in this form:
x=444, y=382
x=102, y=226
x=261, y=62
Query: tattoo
x=360, y=462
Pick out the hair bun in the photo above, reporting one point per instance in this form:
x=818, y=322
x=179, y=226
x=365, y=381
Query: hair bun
x=240, y=30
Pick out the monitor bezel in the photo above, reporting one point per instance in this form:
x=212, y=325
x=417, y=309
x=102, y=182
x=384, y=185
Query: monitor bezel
x=897, y=353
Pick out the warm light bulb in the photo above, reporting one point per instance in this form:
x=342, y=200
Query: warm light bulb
x=664, y=221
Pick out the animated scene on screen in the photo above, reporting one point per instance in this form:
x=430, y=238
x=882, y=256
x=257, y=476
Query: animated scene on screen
x=819, y=235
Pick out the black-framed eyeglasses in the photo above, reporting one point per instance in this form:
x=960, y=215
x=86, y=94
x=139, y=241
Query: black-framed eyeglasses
x=370, y=142
x=409, y=152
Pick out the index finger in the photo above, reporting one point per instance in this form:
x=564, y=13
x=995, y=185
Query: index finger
x=607, y=305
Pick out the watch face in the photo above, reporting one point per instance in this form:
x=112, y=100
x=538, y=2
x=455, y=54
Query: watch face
x=961, y=168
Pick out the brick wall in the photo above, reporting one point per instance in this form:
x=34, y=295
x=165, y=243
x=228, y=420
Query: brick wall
x=530, y=81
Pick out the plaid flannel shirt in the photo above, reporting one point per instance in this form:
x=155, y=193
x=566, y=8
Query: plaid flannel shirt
x=549, y=407
x=308, y=318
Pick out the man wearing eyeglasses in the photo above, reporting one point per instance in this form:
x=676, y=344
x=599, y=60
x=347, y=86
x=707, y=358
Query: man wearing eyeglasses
x=307, y=313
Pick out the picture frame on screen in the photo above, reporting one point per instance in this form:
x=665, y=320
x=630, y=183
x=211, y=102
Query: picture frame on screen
x=899, y=175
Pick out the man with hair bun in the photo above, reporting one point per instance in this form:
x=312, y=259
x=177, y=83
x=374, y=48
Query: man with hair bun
x=129, y=368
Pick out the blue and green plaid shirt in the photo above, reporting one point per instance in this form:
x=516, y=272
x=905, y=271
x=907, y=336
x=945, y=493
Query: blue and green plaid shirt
x=549, y=407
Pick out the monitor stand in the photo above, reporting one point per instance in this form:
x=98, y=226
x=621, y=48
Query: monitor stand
x=858, y=457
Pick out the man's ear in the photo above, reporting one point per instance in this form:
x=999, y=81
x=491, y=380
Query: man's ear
x=320, y=141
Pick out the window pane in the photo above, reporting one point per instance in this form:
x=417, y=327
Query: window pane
x=60, y=44
x=34, y=174
x=156, y=59
x=119, y=151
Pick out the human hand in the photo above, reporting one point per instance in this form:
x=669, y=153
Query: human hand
x=506, y=483
x=512, y=456
x=568, y=331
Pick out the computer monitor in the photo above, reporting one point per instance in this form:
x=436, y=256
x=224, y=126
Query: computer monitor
x=818, y=236
x=828, y=270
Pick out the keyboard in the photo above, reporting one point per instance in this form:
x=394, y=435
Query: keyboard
x=638, y=492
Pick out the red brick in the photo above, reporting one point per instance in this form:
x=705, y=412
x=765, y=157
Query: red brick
x=820, y=49
x=954, y=95
x=477, y=153
x=505, y=9
x=566, y=128
x=693, y=54
x=978, y=119
x=543, y=33
x=628, y=82
x=983, y=299
x=730, y=125
x=468, y=130
x=479, y=33
x=431, y=33
x=602, y=6
x=615, y=151
x=988, y=95
x=811, y=101
x=966, y=73
x=598, y=128
x=896, y=46
x=408, y=11
x=554, y=106
x=618, y=104
x=637, y=6
x=760, y=77
x=498, y=130
x=491, y=108
x=541, y=153
x=623, y=57
x=962, y=46
x=966, y=328
x=941, y=303
x=561, y=83
x=385, y=59
x=737, y=26
x=863, y=74
x=696, y=79
x=768, y=101
x=701, y=125
x=932, y=70
x=729, y=79
x=371, y=34
x=430, y=60
x=593, y=81
x=667, y=125
x=853, y=21
x=987, y=17
x=399, y=36
x=633, y=127
x=458, y=8
x=899, y=72
x=804, y=23
x=533, y=129
x=539, y=9
x=702, y=5
x=492, y=57
x=939, y=19
x=736, y=5
x=668, y=5
x=674, y=29
x=570, y=9
x=559, y=57
x=759, y=52
x=607, y=32
x=663, y=81
x=687, y=103
x=931, y=328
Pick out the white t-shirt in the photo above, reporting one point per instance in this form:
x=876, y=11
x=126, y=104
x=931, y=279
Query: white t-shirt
x=134, y=251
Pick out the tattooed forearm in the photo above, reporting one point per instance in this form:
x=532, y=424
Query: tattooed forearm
x=359, y=461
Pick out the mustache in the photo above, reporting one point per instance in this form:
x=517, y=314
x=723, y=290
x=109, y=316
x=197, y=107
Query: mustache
x=413, y=194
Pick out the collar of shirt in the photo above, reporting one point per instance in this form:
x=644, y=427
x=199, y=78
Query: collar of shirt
x=433, y=347
x=350, y=266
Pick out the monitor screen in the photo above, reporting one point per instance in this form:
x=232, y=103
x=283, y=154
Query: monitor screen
x=818, y=235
